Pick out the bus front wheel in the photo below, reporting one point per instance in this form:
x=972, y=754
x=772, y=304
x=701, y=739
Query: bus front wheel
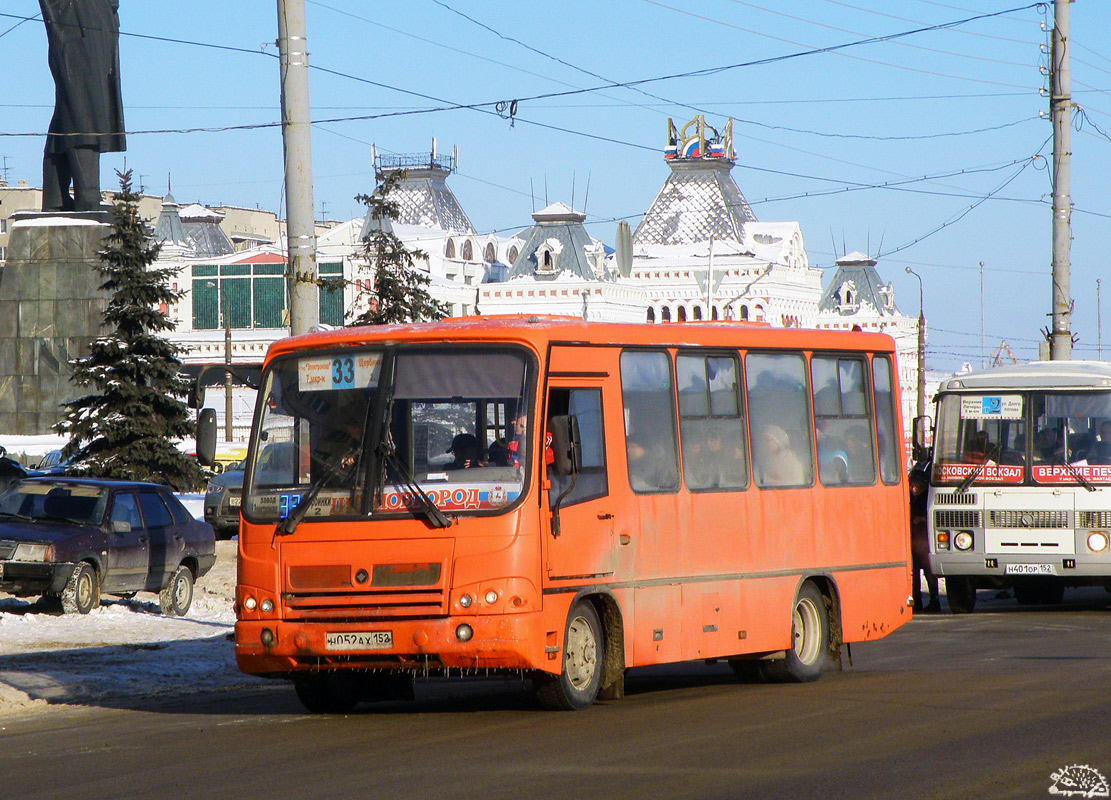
x=961, y=595
x=809, y=654
x=327, y=692
x=576, y=687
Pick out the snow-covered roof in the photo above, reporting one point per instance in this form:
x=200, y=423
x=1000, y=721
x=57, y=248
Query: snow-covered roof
x=424, y=198
x=857, y=289
x=700, y=199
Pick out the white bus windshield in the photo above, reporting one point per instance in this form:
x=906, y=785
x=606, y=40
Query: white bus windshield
x=1012, y=438
x=361, y=432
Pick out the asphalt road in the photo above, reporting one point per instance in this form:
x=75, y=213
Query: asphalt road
x=987, y=705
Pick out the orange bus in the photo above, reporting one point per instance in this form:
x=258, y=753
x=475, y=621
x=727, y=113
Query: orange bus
x=699, y=491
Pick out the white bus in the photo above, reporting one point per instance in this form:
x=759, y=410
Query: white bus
x=1020, y=494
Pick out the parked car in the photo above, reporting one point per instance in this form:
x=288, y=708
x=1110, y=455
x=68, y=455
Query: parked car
x=51, y=464
x=222, y=499
x=224, y=495
x=74, y=538
x=10, y=470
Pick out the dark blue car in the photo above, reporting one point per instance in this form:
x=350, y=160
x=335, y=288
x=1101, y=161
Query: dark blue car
x=75, y=538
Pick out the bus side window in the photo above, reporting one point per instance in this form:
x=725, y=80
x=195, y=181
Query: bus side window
x=779, y=419
x=711, y=423
x=592, y=481
x=882, y=381
x=842, y=422
x=651, y=445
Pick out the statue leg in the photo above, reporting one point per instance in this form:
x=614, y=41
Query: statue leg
x=84, y=163
x=56, y=178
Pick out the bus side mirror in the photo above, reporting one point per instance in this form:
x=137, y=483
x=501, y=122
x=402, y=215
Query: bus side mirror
x=566, y=445
x=195, y=398
x=206, y=437
x=920, y=449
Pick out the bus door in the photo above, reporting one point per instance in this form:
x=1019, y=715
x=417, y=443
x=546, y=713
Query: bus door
x=584, y=549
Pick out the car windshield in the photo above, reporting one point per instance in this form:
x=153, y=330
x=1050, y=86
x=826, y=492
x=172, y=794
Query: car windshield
x=47, y=500
x=358, y=433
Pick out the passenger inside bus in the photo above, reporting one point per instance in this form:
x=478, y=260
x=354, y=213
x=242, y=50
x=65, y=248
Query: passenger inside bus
x=776, y=463
x=467, y=452
x=1100, y=452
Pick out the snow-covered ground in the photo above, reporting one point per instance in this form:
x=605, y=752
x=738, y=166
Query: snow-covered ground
x=124, y=649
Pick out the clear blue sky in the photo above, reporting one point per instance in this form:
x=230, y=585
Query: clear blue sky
x=916, y=111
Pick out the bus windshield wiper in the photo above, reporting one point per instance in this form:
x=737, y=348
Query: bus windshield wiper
x=330, y=470
x=1075, y=473
x=389, y=453
x=962, y=487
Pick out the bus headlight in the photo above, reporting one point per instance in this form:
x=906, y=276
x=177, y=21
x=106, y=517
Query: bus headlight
x=1097, y=541
x=465, y=601
x=491, y=597
x=943, y=540
x=963, y=540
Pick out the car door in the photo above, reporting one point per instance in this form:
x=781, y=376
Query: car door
x=159, y=525
x=128, y=547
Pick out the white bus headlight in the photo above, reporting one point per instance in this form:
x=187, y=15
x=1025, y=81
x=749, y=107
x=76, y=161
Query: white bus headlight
x=1097, y=541
x=963, y=540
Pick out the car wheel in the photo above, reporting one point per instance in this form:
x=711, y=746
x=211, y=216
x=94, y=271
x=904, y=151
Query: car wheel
x=82, y=592
x=327, y=692
x=576, y=687
x=177, y=595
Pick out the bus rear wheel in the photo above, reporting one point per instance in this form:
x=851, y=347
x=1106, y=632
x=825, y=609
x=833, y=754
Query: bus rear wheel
x=809, y=655
x=576, y=687
x=961, y=595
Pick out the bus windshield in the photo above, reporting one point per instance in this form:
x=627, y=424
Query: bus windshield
x=358, y=433
x=1044, y=437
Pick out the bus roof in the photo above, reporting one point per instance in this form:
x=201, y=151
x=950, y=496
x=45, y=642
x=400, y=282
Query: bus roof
x=1035, y=375
x=540, y=330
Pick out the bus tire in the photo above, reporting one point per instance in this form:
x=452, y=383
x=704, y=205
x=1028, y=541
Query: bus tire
x=327, y=692
x=1039, y=591
x=809, y=655
x=961, y=595
x=576, y=687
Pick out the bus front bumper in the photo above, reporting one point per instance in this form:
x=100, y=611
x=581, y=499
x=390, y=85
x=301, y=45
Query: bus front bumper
x=510, y=642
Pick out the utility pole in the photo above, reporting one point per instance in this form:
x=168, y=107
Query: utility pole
x=302, y=275
x=1060, y=106
x=228, y=431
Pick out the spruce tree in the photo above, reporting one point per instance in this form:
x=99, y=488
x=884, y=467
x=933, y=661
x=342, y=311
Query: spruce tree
x=126, y=427
x=400, y=291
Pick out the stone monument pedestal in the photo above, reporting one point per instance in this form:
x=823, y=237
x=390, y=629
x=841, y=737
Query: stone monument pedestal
x=51, y=309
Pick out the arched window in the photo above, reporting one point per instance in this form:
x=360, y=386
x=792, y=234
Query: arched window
x=490, y=253
x=468, y=251
x=714, y=313
x=698, y=312
x=665, y=314
x=513, y=253
x=682, y=317
x=651, y=314
x=449, y=251
x=744, y=312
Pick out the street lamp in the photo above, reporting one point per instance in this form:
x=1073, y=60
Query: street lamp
x=921, y=410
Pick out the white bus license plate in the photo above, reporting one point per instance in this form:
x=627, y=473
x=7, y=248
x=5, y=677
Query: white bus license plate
x=359, y=640
x=1029, y=569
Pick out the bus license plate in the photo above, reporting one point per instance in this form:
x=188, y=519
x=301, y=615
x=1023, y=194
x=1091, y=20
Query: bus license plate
x=359, y=640
x=233, y=502
x=1029, y=569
